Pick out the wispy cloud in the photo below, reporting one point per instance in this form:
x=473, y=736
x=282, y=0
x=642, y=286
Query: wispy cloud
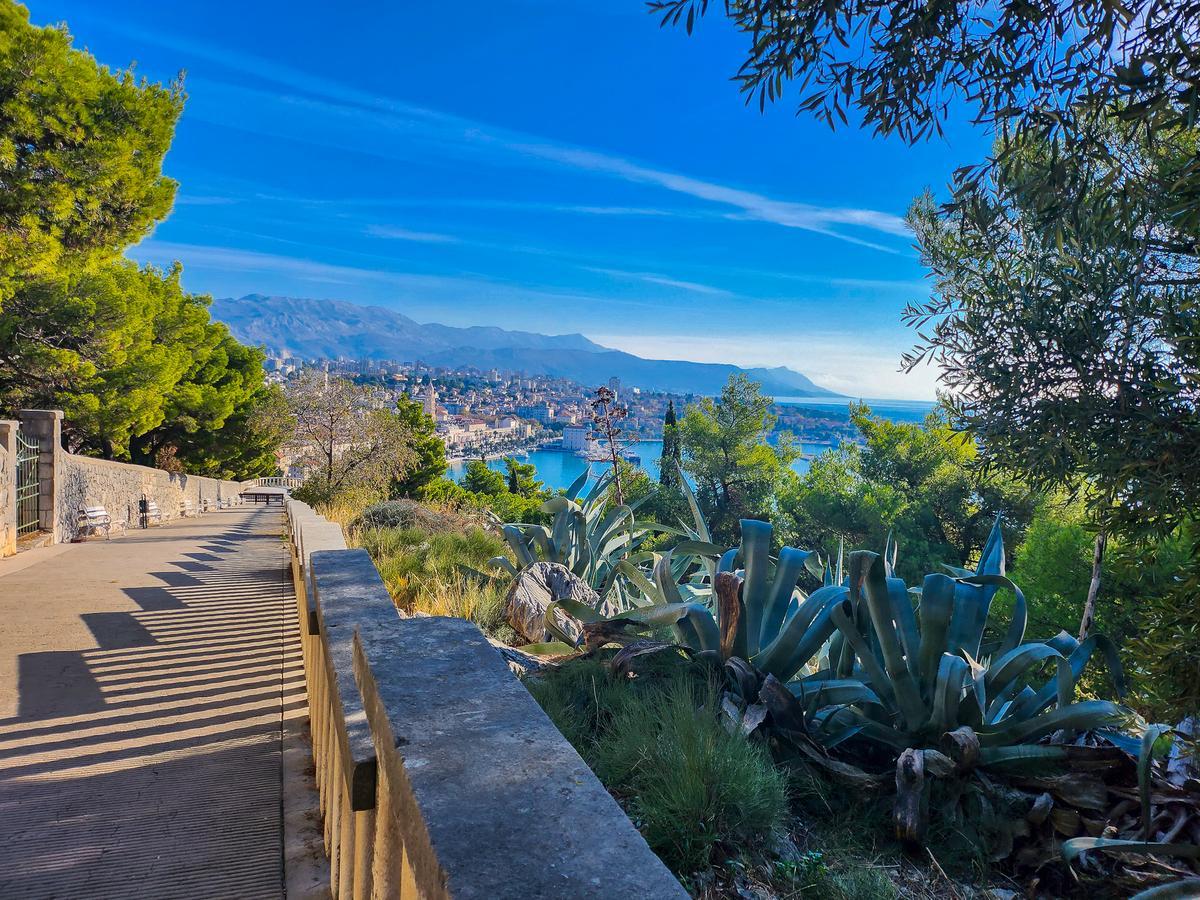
x=203, y=200
x=416, y=122
x=479, y=203
x=404, y=234
x=752, y=206
x=663, y=280
x=409, y=287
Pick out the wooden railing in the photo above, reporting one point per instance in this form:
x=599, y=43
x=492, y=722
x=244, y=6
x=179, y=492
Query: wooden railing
x=439, y=775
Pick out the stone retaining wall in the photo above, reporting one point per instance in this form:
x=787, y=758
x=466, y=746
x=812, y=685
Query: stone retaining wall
x=440, y=776
x=118, y=487
x=69, y=483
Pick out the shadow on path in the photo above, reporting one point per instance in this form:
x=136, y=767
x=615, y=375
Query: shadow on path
x=147, y=763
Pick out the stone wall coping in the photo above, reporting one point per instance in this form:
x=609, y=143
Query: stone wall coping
x=313, y=536
x=349, y=593
x=499, y=803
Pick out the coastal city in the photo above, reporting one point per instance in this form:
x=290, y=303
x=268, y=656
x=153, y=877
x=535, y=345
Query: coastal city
x=492, y=413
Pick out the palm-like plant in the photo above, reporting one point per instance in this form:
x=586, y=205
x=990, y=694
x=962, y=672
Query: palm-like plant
x=865, y=662
x=593, y=542
x=930, y=670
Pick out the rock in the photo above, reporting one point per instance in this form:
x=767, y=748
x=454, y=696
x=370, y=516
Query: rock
x=535, y=589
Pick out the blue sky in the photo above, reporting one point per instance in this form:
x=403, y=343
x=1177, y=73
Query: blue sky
x=549, y=165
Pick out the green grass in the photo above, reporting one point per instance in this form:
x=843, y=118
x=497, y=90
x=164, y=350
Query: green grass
x=697, y=792
x=424, y=573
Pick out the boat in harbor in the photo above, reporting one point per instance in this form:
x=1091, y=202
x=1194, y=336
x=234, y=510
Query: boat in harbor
x=592, y=451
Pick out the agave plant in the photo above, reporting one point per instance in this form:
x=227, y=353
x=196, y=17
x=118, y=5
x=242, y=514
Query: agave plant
x=927, y=671
x=582, y=536
x=765, y=618
x=865, y=661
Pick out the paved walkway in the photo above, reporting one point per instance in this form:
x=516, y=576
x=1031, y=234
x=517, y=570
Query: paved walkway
x=145, y=689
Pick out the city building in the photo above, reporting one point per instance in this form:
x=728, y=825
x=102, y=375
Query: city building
x=575, y=437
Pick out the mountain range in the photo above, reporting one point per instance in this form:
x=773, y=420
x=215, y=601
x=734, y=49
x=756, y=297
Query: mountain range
x=311, y=329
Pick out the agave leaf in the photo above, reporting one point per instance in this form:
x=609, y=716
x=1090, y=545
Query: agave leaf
x=833, y=692
x=520, y=545
x=833, y=721
x=548, y=648
x=619, y=516
x=947, y=692
x=643, y=584
x=503, y=564
x=577, y=485
x=779, y=596
x=840, y=615
x=560, y=534
x=971, y=604
x=597, y=491
x=1145, y=760
x=697, y=518
x=1075, y=846
x=1016, y=630
x=1063, y=643
x=756, y=559
x=937, y=607
x=906, y=624
x=1187, y=889
x=556, y=505
x=1078, y=660
x=557, y=633
x=1076, y=717
x=867, y=574
x=664, y=579
x=803, y=634
x=729, y=559
x=572, y=607
x=1005, y=670
x=977, y=708
x=957, y=571
x=540, y=535
x=1032, y=756
x=991, y=558
x=697, y=548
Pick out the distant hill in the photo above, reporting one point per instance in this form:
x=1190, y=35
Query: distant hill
x=310, y=329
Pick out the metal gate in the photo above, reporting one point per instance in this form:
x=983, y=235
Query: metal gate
x=29, y=490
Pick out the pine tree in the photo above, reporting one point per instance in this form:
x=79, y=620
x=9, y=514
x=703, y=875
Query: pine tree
x=672, y=457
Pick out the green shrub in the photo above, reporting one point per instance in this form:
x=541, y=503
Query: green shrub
x=425, y=573
x=657, y=743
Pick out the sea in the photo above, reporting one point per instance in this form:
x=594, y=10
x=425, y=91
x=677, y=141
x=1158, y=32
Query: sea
x=558, y=469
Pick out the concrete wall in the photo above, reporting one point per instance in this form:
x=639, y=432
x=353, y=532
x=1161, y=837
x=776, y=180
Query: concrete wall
x=440, y=776
x=69, y=483
x=118, y=487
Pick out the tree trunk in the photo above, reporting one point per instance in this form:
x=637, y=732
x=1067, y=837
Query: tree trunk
x=1089, y=606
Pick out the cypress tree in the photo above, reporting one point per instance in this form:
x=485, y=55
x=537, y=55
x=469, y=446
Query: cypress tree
x=672, y=456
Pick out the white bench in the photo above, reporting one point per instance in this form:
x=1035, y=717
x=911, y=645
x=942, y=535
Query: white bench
x=93, y=519
x=153, y=513
x=187, y=509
